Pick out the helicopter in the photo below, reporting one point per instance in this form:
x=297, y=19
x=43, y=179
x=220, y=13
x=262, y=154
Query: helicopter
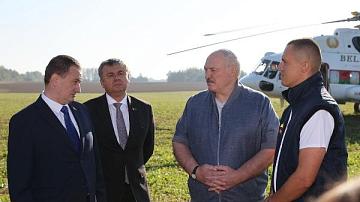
x=340, y=66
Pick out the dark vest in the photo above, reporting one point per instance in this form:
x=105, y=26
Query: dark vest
x=305, y=99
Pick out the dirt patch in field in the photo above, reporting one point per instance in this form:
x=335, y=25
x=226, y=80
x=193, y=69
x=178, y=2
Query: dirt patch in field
x=32, y=87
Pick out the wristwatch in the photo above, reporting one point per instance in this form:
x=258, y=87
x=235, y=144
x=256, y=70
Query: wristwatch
x=193, y=173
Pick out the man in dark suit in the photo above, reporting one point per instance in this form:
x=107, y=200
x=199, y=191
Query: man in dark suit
x=124, y=128
x=51, y=149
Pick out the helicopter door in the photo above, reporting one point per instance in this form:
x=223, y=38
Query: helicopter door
x=324, y=69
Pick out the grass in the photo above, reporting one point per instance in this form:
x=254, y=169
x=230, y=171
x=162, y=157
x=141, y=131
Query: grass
x=167, y=181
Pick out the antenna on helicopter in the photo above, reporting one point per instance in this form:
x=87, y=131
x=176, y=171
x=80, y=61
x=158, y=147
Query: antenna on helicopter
x=356, y=17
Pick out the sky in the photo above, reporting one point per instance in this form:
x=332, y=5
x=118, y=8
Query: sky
x=142, y=33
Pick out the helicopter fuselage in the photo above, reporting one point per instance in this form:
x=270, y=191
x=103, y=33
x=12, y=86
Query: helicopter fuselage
x=340, y=68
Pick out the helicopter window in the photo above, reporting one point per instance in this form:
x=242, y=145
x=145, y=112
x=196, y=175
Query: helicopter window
x=356, y=42
x=262, y=66
x=344, y=77
x=354, y=78
x=272, y=70
x=334, y=76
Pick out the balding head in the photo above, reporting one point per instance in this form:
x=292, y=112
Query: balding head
x=230, y=58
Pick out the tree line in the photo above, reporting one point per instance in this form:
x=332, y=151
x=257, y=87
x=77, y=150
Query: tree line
x=88, y=75
x=91, y=75
x=12, y=75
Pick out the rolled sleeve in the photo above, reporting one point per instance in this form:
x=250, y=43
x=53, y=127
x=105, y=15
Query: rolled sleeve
x=181, y=131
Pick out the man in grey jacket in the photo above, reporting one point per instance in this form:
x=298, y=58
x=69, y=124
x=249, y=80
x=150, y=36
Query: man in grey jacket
x=226, y=137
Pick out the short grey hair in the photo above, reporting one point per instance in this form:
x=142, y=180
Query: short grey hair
x=231, y=59
x=111, y=62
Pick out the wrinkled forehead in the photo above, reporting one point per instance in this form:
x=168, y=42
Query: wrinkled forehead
x=216, y=60
x=73, y=73
x=74, y=69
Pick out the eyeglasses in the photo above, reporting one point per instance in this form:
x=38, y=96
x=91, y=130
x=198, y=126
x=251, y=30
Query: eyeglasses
x=113, y=76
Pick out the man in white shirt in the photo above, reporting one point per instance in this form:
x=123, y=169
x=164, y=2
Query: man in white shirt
x=124, y=127
x=311, y=153
x=51, y=150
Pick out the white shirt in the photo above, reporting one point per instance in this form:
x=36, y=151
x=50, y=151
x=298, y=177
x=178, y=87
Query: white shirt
x=317, y=130
x=56, y=107
x=220, y=106
x=124, y=110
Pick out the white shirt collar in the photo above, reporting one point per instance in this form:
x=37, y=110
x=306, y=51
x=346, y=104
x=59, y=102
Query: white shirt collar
x=111, y=100
x=54, y=106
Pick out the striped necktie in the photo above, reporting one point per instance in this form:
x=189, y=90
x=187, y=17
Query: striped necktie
x=120, y=124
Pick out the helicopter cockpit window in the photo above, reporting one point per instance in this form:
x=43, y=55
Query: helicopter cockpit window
x=262, y=67
x=272, y=70
x=356, y=42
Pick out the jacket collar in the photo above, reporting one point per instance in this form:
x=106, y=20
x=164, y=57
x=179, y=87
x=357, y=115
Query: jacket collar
x=292, y=95
x=234, y=94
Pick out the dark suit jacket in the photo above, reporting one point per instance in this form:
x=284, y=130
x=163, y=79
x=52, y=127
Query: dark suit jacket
x=138, y=150
x=42, y=163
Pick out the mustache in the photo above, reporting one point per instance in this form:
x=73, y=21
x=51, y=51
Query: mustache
x=209, y=81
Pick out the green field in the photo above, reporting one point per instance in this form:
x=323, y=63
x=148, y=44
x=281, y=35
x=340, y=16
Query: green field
x=166, y=180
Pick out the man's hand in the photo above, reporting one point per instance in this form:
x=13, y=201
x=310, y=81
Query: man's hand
x=205, y=173
x=224, y=179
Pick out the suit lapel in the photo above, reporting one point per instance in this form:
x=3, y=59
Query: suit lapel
x=104, y=114
x=133, y=120
x=49, y=117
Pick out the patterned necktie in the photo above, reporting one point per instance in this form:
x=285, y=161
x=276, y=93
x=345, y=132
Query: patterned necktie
x=70, y=129
x=121, y=128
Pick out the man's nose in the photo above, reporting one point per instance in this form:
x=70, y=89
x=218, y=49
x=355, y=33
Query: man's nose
x=207, y=74
x=78, y=88
x=281, y=66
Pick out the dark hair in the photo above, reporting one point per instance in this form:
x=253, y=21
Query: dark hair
x=59, y=65
x=110, y=62
x=311, y=48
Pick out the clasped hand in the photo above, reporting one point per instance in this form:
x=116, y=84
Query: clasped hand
x=217, y=178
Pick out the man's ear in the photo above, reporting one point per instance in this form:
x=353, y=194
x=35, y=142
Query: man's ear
x=306, y=67
x=55, y=80
x=233, y=71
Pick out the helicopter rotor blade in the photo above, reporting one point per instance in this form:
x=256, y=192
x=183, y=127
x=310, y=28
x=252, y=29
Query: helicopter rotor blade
x=356, y=17
x=344, y=20
x=247, y=36
x=234, y=30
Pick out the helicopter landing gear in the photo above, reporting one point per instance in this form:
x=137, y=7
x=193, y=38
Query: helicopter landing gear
x=357, y=108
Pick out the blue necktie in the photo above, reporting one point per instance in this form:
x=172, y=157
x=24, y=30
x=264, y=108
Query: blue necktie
x=70, y=129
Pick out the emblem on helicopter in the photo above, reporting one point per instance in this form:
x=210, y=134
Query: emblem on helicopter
x=332, y=42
